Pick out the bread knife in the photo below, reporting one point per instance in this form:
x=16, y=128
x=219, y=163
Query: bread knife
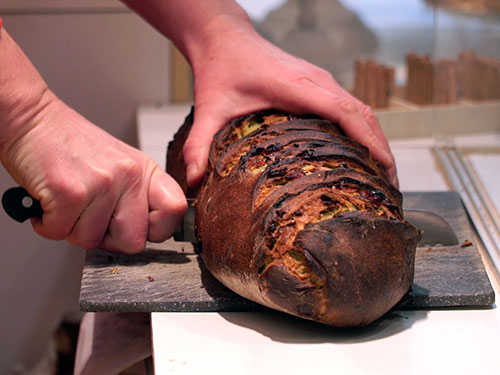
x=435, y=230
x=20, y=206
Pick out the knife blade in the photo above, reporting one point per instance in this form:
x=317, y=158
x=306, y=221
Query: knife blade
x=435, y=230
x=20, y=206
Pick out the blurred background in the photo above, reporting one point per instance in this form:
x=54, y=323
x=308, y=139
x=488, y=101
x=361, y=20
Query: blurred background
x=104, y=61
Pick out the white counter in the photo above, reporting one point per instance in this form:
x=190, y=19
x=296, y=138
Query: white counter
x=453, y=341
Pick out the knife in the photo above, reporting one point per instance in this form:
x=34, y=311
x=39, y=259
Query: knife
x=435, y=230
x=20, y=206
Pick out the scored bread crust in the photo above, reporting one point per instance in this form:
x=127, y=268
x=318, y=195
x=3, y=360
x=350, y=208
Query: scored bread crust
x=295, y=216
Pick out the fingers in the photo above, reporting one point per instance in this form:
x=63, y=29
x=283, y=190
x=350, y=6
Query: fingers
x=372, y=121
x=62, y=208
x=197, y=145
x=92, y=225
x=320, y=78
x=117, y=219
x=128, y=227
x=338, y=108
x=392, y=174
x=151, y=212
x=356, y=119
x=167, y=206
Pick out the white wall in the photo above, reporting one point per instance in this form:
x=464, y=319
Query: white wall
x=103, y=65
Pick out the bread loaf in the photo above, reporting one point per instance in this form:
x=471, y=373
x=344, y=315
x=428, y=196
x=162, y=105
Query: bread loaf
x=297, y=217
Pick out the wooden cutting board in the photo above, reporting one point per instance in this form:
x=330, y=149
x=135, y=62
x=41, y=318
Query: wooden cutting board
x=171, y=277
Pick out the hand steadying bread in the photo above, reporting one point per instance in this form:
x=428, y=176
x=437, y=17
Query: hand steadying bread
x=95, y=190
x=296, y=216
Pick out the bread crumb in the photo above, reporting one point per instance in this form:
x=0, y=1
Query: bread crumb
x=466, y=243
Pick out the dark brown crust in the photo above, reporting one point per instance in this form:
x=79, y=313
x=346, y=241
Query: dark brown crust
x=344, y=270
x=329, y=178
x=367, y=264
x=266, y=136
x=331, y=155
x=222, y=139
x=175, y=165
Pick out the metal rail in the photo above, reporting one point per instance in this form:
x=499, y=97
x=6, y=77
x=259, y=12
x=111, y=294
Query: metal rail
x=481, y=209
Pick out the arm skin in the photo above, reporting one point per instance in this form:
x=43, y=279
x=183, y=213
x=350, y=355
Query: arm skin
x=95, y=190
x=99, y=192
x=236, y=72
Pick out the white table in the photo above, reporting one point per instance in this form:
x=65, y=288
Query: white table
x=455, y=341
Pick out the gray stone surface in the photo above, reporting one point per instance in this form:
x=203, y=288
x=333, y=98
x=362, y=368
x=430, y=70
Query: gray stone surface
x=171, y=277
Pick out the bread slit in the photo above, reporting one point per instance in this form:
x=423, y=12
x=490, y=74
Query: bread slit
x=282, y=172
x=295, y=216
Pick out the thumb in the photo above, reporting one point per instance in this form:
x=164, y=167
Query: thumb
x=197, y=146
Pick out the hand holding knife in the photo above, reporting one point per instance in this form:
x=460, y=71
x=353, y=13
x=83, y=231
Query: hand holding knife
x=20, y=206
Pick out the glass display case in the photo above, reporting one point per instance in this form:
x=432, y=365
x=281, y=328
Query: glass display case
x=429, y=68
x=418, y=51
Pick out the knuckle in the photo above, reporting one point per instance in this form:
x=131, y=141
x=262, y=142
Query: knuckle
x=302, y=80
x=322, y=74
x=129, y=167
x=104, y=181
x=310, y=74
x=128, y=171
x=368, y=114
x=348, y=106
x=72, y=194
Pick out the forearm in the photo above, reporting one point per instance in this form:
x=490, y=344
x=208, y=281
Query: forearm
x=191, y=24
x=23, y=92
x=218, y=40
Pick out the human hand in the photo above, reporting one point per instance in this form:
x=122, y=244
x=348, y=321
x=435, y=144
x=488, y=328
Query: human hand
x=237, y=72
x=96, y=191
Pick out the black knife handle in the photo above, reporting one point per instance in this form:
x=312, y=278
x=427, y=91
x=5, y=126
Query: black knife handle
x=19, y=205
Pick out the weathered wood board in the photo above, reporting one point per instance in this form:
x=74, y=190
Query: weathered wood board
x=171, y=277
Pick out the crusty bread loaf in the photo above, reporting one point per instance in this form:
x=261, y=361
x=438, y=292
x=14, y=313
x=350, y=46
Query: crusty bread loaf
x=297, y=217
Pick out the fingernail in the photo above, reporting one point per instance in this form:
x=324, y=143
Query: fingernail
x=192, y=173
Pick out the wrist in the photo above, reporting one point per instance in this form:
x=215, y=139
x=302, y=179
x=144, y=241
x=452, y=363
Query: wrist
x=25, y=114
x=198, y=44
x=24, y=95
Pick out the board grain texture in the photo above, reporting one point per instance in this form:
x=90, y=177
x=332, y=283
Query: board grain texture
x=171, y=277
